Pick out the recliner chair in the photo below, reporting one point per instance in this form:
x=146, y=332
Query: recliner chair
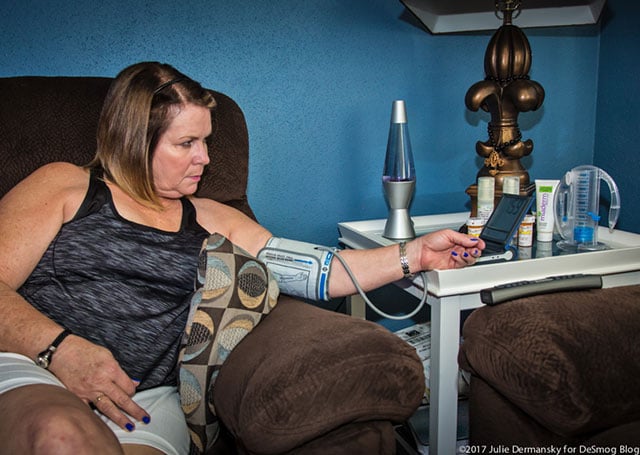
x=557, y=369
x=305, y=380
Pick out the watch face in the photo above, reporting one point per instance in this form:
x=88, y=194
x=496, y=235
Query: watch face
x=43, y=360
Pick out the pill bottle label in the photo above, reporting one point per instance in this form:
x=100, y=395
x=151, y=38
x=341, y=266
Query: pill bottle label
x=525, y=231
x=486, y=192
x=485, y=211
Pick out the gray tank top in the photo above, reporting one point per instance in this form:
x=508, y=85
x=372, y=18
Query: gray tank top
x=121, y=285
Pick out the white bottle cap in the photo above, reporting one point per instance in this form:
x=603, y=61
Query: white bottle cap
x=398, y=112
x=475, y=221
x=486, y=187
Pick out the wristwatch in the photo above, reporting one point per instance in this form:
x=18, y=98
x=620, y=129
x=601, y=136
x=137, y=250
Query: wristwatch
x=44, y=358
x=404, y=261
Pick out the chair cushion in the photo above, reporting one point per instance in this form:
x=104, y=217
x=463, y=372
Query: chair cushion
x=569, y=359
x=305, y=371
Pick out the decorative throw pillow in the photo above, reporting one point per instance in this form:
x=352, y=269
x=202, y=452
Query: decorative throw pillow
x=234, y=291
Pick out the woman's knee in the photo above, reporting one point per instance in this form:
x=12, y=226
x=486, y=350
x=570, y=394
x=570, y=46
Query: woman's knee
x=46, y=419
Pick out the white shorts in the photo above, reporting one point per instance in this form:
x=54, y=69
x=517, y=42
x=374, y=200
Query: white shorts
x=166, y=432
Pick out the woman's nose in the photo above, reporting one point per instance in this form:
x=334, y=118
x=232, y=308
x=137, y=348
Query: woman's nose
x=202, y=154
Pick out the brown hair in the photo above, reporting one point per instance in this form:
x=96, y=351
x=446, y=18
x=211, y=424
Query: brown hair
x=141, y=103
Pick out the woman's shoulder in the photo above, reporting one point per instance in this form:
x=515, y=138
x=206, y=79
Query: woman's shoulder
x=54, y=177
x=217, y=217
x=208, y=210
x=58, y=184
x=61, y=171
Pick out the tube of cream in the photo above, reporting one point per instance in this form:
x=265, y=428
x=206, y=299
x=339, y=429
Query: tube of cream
x=545, y=211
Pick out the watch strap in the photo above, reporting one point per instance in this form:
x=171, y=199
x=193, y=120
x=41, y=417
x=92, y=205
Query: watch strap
x=404, y=261
x=44, y=358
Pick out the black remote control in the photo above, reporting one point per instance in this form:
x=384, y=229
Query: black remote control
x=511, y=291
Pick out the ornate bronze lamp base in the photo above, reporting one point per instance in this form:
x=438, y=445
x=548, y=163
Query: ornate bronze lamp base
x=504, y=93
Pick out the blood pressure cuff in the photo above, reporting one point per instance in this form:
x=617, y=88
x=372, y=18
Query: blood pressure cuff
x=301, y=269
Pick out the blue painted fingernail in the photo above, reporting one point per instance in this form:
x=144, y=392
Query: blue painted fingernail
x=475, y=239
x=453, y=253
x=129, y=427
x=466, y=254
x=476, y=252
x=146, y=419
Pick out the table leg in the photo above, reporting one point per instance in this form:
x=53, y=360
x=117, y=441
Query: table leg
x=356, y=306
x=443, y=381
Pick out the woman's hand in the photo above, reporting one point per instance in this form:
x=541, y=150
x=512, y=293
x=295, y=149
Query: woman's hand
x=447, y=249
x=92, y=373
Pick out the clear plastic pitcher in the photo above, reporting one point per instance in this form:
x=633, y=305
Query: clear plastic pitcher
x=577, y=206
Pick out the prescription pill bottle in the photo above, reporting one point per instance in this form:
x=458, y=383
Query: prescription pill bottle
x=474, y=226
x=525, y=231
x=486, y=193
x=511, y=185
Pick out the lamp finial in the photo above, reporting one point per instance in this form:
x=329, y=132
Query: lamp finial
x=507, y=8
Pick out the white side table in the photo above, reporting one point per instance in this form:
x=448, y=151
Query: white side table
x=452, y=291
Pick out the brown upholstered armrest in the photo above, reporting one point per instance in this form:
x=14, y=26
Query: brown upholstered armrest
x=304, y=371
x=570, y=360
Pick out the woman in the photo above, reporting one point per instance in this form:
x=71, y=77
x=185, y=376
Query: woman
x=98, y=293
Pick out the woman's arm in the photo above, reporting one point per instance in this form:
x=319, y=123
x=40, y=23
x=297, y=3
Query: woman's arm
x=31, y=215
x=373, y=268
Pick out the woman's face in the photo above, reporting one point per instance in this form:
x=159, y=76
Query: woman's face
x=181, y=153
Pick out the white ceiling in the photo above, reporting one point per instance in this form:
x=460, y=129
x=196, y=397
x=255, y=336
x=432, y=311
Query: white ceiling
x=448, y=16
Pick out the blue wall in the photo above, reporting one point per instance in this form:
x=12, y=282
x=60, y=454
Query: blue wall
x=617, y=146
x=316, y=80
